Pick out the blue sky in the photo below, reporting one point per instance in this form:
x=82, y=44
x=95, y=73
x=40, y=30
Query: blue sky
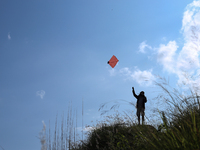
x=54, y=52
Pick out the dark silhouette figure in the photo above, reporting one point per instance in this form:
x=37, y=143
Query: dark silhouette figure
x=140, y=105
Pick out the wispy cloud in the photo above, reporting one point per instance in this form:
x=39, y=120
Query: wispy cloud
x=181, y=61
x=40, y=93
x=85, y=128
x=9, y=37
x=143, y=78
x=89, y=128
x=112, y=72
x=187, y=58
x=164, y=39
x=166, y=54
x=144, y=46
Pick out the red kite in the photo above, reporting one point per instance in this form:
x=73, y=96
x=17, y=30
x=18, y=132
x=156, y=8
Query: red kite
x=113, y=61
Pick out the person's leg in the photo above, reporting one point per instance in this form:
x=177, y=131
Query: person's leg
x=142, y=111
x=142, y=119
x=138, y=115
x=139, y=119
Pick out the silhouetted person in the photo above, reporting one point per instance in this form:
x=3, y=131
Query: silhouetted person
x=140, y=105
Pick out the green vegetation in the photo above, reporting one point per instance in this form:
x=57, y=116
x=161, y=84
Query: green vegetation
x=180, y=128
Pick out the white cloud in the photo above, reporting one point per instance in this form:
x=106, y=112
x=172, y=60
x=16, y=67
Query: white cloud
x=125, y=71
x=86, y=128
x=40, y=93
x=143, y=46
x=112, y=72
x=9, y=37
x=187, y=59
x=90, y=110
x=191, y=18
x=165, y=55
x=164, y=39
x=175, y=59
x=89, y=128
x=144, y=78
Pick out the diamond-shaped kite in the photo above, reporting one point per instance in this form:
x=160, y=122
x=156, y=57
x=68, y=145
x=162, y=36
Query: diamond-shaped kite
x=113, y=61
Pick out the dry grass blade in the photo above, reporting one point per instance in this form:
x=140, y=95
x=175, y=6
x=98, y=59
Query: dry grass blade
x=2, y=147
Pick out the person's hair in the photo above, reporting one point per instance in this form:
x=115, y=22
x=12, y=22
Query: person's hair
x=142, y=92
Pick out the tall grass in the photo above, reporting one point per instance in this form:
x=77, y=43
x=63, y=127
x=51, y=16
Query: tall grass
x=181, y=123
x=65, y=138
x=1, y=147
x=179, y=128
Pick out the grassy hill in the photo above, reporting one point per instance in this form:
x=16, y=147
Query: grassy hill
x=179, y=130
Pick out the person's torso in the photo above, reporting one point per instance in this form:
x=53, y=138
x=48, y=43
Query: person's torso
x=141, y=101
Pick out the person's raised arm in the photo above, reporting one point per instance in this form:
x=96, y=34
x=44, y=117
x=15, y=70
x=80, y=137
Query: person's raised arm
x=134, y=93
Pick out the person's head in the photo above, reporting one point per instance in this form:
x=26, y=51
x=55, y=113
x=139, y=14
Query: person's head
x=142, y=93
